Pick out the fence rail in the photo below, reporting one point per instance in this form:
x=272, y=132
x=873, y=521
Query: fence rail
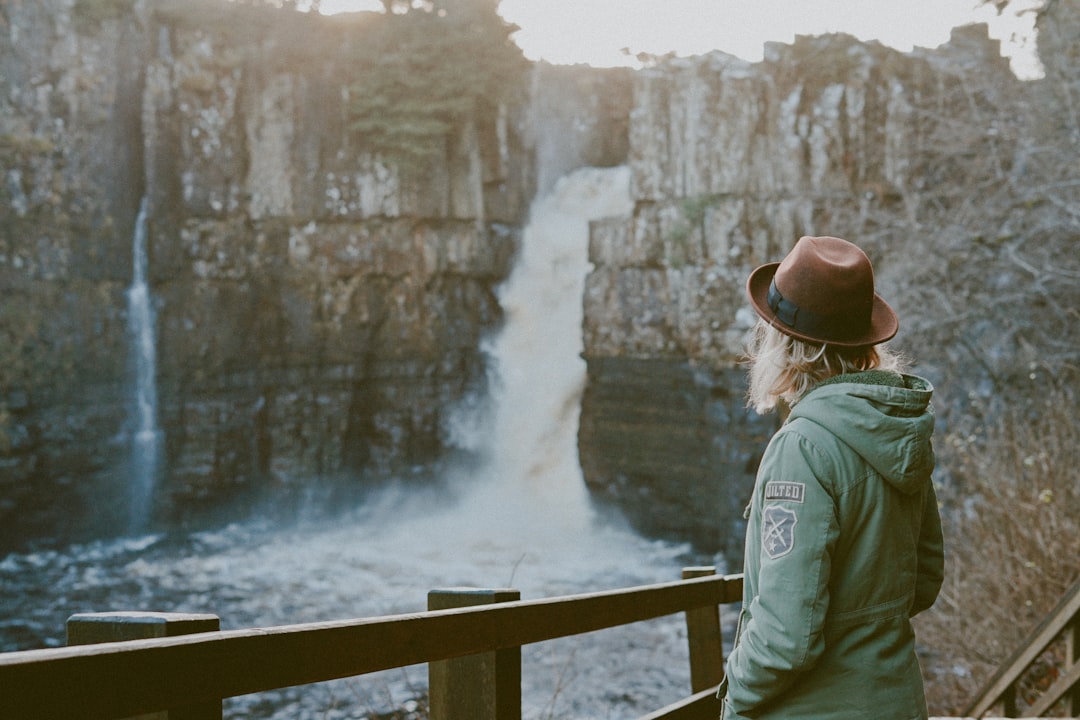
x=1002, y=686
x=120, y=679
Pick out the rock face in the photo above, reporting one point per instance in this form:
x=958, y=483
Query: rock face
x=319, y=311
x=69, y=143
x=733, y=162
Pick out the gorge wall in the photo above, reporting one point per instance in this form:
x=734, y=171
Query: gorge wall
x=732, y=162
x=319, y=311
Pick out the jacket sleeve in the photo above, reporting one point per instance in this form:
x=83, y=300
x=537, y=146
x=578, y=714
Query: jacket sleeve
x=931, y=555
x=783, y=632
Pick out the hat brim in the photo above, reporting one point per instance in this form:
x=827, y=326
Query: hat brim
x=883, y=321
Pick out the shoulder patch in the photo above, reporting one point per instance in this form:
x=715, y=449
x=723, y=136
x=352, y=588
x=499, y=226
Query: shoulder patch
x=793, y=491
x=778, y=530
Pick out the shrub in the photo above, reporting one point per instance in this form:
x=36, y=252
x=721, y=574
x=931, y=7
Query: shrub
x=428, y=67
x=1012, y=523
x=89, y=14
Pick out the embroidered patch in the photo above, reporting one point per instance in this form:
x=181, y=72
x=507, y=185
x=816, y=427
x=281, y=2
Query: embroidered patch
x=792, y=491
x=778, y=530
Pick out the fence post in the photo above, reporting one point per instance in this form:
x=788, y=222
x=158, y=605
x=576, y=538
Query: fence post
x=485, y=686
x=705, y=638
x=87, y=628
x=1008, y=702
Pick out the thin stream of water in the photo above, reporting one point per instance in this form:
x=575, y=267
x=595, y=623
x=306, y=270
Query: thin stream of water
x=145, y=434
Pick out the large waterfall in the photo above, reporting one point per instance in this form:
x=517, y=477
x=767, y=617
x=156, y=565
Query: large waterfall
x=145, y=435
x=526, y=432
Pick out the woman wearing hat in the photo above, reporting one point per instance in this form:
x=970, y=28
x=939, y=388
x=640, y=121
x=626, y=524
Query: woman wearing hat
x=843, y=541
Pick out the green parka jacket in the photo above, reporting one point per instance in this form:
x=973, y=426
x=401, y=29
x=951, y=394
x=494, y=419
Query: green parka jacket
x=843, y=546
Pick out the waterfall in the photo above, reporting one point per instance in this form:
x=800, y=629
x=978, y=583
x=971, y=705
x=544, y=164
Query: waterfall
x=527, y=436
x=145, y=436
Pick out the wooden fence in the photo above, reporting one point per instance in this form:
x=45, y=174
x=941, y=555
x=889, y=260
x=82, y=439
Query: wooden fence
x=1002, y=688
x=473, y=655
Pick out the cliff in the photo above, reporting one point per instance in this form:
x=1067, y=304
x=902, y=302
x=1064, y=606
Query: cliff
x=732, y=162
x=318, y=309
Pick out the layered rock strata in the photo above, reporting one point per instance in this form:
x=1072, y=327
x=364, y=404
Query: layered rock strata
x=732, y=162
x=318, y=311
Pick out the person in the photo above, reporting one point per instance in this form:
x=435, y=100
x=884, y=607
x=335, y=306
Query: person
x=843, y=539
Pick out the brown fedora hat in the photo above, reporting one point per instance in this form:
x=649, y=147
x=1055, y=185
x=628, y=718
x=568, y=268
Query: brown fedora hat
x=823, y=292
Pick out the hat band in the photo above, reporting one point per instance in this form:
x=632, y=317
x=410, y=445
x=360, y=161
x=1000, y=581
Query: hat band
x=806, y=321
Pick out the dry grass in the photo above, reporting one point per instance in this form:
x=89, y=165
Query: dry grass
x=1011, y=508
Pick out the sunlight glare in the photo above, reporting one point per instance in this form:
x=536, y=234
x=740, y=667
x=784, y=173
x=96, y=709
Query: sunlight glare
x=332, y=7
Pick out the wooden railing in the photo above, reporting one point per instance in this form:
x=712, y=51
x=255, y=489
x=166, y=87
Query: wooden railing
x=1002, y=687
x=188, y=675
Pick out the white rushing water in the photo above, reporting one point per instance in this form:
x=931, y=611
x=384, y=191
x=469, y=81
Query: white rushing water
x=145, y=434
x=525, y=431
x=520, y=519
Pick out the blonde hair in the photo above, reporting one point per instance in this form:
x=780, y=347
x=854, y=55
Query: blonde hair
x=783, y=368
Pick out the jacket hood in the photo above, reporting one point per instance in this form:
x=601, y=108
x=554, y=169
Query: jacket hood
x=885, y=417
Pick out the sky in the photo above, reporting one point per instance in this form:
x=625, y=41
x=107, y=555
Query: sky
x=595, y=32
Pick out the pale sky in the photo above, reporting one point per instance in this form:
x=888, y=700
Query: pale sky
x=594, y=31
